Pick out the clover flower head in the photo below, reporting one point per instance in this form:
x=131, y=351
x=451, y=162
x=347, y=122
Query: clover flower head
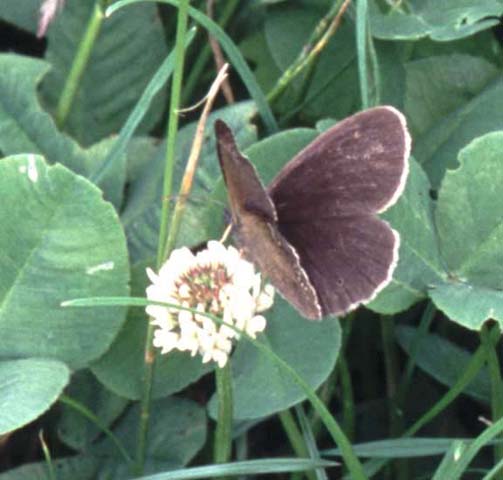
x=214, y=281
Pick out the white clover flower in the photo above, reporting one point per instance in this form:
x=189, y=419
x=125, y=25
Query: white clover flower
x=216, y=281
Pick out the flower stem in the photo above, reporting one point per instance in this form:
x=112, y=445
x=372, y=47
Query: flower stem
x=223, y=433
x=79, y=64
x=176, y=89
x=149, y=357
x=496, y=384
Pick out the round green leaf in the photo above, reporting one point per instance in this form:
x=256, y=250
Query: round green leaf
x=470, y=213
x=129, y=48
x=26, y=128
x=419, y=263
x=60, y=240
x=442, y=21
x=468, y=305
x=288, y=29
x=28, y=387
x=262, y=388
x=469, y=220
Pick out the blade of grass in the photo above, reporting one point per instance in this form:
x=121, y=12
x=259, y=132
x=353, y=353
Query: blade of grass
x=51, y=473
x=352, y=463
x=79, y=64
x=249, y=467
x=154, y=86
x=496, y=382
x=234, y=54
x=85, y=412
x=172, y=128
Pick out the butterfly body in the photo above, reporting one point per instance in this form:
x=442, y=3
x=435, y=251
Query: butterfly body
x=314, y=231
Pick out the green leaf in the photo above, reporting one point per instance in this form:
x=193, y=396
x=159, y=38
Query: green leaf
x=439, y=85
x=121, y=369
x=129, y=49
x=22, y=399
x=288, y=29
x=442, y=21
x=419, y=262
x=469, y=219
x=437, y=149
x=124, y=139
x=256, y=51
x=21, y=14
x=468, y=305
x=26, y=128
x=445, y=362
x=68, y=469
x=60, y=241
x=176, y=434
x=402, y=447
x=74, y=429
x=310, y=347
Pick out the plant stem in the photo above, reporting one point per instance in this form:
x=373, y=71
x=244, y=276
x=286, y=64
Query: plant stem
x=176, y=88
x=351, y=460
x=352, y=463
x=390, y=361
x=424, y=325
x=296, y=440
x=85, y=412
x=205, y=54
x=51, y=473
x=79, y=64
x=348, y=410
x=496, y=385
x=310, y=52
x=149, y=357
x=476, y=363
x=223, y=433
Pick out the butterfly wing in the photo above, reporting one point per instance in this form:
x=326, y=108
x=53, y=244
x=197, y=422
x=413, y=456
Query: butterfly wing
x=347, y=259
x=254, y=223
x=358, y=166
x=326, y=199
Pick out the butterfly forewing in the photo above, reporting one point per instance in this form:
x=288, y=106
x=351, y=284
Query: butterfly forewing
x=255, y=228
x=357, y=166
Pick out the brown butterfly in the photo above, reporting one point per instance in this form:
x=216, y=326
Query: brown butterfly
x=315, y=231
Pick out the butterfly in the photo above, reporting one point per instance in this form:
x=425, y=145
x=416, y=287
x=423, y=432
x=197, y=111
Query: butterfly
x=314, y=231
